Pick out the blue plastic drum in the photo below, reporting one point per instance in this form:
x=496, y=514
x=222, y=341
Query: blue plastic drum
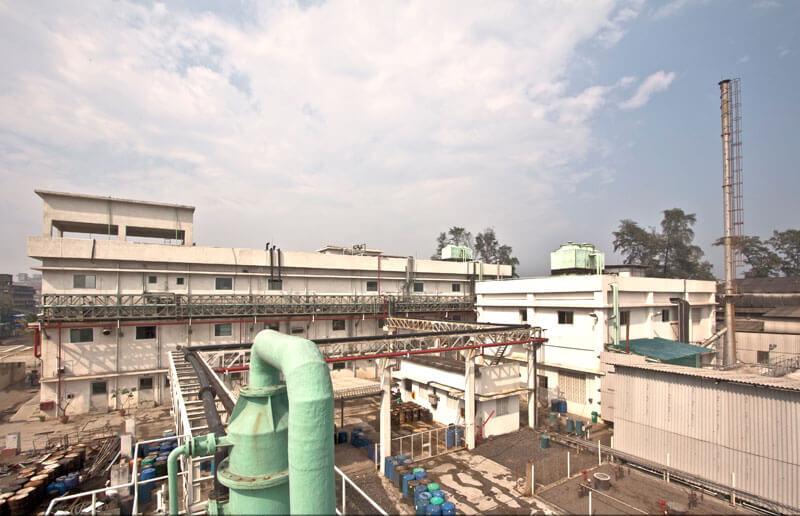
x=448, y=509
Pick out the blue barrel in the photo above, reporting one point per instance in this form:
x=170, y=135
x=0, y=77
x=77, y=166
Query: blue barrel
x=450, y=436
x=422, y=506
x=423, y=498
x=146, y=490
x=434, y=507
x=56, y=489
x=553, y=417
x=417, y=490
x=448, y=509
x=71, y=482
x=165, y=446
x=545, y=442
x=459, y=435
x=419, y=475
x=562, y=406
x=408, y=477
x=579, y=427
x=438, y=493
x=342, y=437
x=570, y=425
x=392, y=464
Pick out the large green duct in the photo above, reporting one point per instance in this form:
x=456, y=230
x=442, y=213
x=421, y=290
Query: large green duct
x=275, y=426
x=281, y=459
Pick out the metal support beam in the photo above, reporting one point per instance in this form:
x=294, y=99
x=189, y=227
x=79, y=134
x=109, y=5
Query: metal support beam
x=386, y=420
x=469, y=399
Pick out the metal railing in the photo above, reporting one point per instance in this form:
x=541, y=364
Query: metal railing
x=345, y=482
x=77, y=307
x=427, y=443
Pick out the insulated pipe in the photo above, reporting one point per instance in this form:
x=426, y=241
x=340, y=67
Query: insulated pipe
x=615, y=314
x=172, y=472
x=257, y=472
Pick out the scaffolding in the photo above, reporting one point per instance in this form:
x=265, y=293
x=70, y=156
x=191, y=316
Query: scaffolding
x=79, y=307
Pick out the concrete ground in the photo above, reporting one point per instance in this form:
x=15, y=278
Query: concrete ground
x=633, y=492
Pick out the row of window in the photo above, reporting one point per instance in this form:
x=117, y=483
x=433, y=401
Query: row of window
x=145, y=384
x=78, y=335
x=226, y=283
x=568, y=317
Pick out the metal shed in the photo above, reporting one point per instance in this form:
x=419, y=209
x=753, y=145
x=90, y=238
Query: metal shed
x=732, y=428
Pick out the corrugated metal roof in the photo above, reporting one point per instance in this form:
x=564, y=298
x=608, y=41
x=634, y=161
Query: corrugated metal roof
x=789, y=382
x=790, y=285
x=784, y=311
x=665, y=349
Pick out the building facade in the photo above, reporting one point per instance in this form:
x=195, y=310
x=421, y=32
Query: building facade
x=123, y=285
x=576, y=313
x=438, y=384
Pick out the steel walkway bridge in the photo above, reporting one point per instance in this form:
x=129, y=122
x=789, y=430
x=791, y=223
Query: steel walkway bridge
x=73, y=307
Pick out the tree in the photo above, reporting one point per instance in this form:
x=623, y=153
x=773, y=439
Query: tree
x=779, y=254
x=669, y=253
x=787, y=247
x=456, y=236
x=486, y=246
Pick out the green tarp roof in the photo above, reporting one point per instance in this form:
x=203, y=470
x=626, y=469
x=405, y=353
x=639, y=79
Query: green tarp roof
x=664, y=349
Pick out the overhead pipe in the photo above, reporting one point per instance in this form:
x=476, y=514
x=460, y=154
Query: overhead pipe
x=615, y=312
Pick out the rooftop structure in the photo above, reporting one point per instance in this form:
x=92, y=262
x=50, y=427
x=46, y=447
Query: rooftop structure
x=112, y=309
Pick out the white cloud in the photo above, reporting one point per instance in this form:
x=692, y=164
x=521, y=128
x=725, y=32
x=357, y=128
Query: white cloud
x=744, y=58
x=655, y=83
x=669, y=9
x=330, y=124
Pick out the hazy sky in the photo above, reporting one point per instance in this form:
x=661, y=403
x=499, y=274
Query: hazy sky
x=334, y=122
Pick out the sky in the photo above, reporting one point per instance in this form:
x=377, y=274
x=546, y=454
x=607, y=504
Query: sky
x=386, y=122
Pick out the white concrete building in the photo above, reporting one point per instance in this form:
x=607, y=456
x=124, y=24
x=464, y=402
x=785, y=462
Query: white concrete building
x=576, y=313
x=438, y=384
x=123, y=284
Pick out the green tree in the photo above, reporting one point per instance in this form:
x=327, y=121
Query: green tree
x=786, y=245
x=485, y=245
x=762, y=260
x=669, y=253
x=455, y=235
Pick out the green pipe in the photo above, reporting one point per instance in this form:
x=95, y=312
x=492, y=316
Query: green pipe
x=615, y=294
x=172, y=471
x=281, y=432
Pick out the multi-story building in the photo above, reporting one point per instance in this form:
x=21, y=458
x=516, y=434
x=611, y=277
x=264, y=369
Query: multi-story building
x=123, y=285
x=576, y=313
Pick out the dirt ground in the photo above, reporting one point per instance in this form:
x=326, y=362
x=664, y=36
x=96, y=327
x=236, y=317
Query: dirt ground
x=633, y=493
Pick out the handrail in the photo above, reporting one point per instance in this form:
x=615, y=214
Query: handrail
x=346, y=480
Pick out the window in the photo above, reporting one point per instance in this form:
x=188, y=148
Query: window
x=565, y=317
x=179, y=281
x=543, y=381
x=81, y=335
x=762, y=357
x=224, y=284
x=573, y=386
x=407, y=384
x=223, y=330
x=152, y=279
x=338, y=365
x=99, y=388
x=145, y=332
x=372, y=286
x=338, y=325
x=624, y=318
x=523, y=315
x=275, y=284
x=456, y=287
x=501, y=406
x=419, y=286
x=83, y=281
x=146, y=383
x=274, y=326
x=665, y=315
x=298, y=330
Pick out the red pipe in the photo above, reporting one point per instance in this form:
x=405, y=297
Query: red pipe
x=58, y=404
x=36, y=342
x=488, y=418
x=402, y=353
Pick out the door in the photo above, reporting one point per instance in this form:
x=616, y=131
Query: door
x=145, y=388
x=98, y=399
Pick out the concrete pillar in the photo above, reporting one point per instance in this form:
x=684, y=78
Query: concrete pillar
x=469, y=399
x=385, y=417
x=531, y=386
x=122, y=232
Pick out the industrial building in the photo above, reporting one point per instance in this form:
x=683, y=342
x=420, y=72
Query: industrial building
x=576, y=311
x=735, y=428
x=438, y=384
x=123, y=284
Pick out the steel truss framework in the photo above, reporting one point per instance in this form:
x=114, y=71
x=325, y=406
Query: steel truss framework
x=443, y=335
x=69, y=307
